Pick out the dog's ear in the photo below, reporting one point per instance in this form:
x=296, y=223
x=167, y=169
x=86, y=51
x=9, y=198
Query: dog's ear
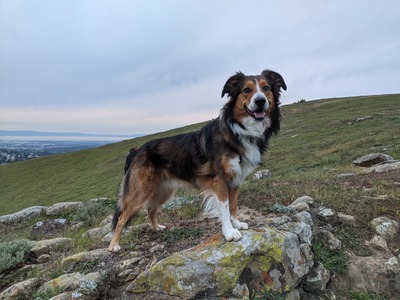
x=275, y=79
x=231, y=86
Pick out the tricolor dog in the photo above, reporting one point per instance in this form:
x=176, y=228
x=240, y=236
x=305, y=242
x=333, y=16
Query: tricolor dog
x=216, y=159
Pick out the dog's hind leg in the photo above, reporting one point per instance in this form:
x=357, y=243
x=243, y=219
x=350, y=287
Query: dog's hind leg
x=152, y=214
x=123, y=215
x=156, y=200
x=130, y=202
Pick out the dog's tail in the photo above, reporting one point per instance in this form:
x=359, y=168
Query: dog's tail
x=123, y=186
x=130, y=157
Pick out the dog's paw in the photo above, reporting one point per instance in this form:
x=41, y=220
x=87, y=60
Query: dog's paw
x=232, y=235
x=114, y=248
x=160, y=227
x=239, y=225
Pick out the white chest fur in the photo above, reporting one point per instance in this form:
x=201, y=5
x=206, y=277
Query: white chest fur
x=243, y=166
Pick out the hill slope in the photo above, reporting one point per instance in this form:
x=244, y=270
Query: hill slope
x=318, y=140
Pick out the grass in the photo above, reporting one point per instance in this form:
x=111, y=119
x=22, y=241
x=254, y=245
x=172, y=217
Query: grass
x=318, y=140
x=174, y=235
x=336, y=262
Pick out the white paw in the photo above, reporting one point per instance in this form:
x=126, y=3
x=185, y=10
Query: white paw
x=239, y=225
x=116, y=248
x=160, y=227
x=232, y=235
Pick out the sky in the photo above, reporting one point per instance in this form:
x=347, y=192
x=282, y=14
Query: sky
x=127, y=67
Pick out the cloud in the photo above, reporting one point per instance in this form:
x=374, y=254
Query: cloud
x=166, y=60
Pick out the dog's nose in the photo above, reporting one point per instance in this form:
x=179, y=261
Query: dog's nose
x=260, y=102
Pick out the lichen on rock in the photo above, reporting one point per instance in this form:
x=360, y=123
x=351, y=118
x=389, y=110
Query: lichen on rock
x=217, y=266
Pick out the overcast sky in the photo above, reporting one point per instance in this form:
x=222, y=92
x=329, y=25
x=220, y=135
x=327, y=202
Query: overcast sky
x=124, y=67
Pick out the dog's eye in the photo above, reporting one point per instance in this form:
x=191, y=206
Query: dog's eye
x=246, y=90
x=265, y=88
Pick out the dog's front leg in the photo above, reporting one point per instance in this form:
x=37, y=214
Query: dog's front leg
x=216, y=200
x=233, y=205
x=230, y=233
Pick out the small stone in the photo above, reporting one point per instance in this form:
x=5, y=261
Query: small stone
x=301, y=206
x=360, y=119
x=262, y=174
x=128, y=275
x=344, y=175
x=241, y=291
x=304, y=217
x=96, y=233
x=60, y=221
x=43, y=258
x=39, y=224
x=372, y=159
x=326, y=213
x=302, y=230
x=378, y=243
x=303, y=199
x=129, y=263
x=392, y=262
x=158, y=247
x=346, y=219
x=317, y=279
x=329, y=240
x=386, y=227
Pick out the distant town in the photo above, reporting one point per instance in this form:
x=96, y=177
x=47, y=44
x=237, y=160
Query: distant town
x=18, y=146
x=15, y=151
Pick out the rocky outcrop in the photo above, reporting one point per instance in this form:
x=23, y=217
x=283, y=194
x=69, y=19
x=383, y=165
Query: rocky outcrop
x=265, y=258
x=46, y=246
x=22, y=215
x=377, y=163
x=34, y=211
x=69, y=262
x=372, y=159
x=386, y=167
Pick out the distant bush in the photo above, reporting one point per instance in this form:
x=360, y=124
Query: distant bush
x=13, y=253
x=93, y=212
x=301, y=101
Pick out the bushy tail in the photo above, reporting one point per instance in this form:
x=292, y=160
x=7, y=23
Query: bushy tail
x=129, y=158
x=117, y=213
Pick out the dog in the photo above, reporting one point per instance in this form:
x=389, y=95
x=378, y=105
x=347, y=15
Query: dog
x=216, y=159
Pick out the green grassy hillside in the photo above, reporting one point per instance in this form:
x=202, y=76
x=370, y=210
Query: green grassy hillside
x=317, y=141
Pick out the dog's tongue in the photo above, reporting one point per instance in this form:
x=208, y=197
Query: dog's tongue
x=259, y=114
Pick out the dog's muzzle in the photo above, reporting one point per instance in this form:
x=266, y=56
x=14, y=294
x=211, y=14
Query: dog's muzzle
x=259, y=111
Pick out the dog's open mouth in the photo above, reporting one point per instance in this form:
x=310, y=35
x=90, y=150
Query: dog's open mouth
x=258, y=115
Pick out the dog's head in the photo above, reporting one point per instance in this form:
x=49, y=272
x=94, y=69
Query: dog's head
x=254, y=99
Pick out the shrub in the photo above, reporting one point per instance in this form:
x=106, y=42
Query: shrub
x=13, y=253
